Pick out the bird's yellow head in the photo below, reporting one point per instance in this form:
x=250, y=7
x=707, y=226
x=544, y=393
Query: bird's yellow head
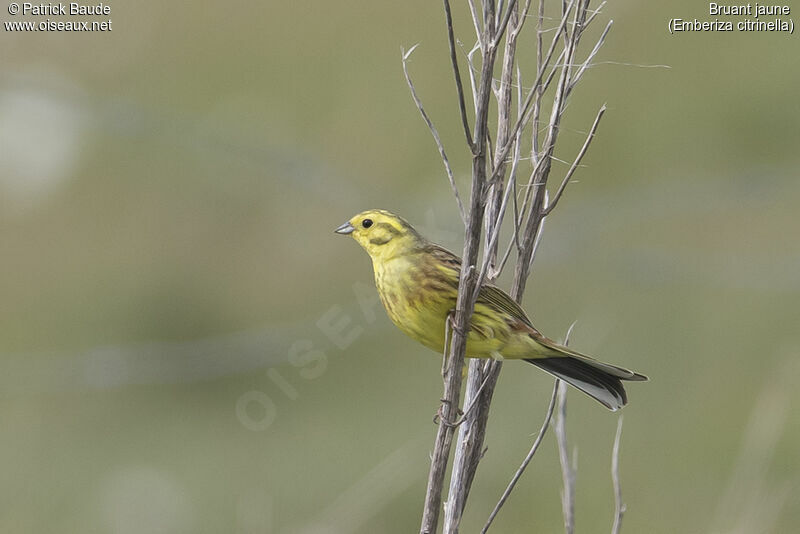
x=382, y=234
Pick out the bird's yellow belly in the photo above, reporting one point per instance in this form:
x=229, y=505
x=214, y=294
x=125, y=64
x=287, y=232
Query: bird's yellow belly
x=420, y=309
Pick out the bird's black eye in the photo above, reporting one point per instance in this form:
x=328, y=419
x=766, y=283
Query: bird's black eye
x=366, y=223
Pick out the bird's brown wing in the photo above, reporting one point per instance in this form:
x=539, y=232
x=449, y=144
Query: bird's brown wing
x=489, y=295
x=499, y=300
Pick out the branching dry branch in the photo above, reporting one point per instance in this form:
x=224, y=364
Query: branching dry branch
x=493, y=188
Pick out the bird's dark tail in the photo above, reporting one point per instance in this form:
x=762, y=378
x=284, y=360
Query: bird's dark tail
x=601, y=381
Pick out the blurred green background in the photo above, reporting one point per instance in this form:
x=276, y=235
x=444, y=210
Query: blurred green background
x=186, y=347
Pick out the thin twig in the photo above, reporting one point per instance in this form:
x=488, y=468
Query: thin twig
x=564, y=12
x=494, y=271
x=522, y=18
x=476, y=23
x=470, y=406
x=447, y=324
x=537, y=104
x=618, y=504
x=567, y=471
x=586, y=64
x=512, y=179
x=525, y=115
x=560, y=93
x=495, y=208
x=434, y=133
x=454, y=60
x=529, y=187
x=548, y=416
x=472, y=83
x=539, y=233
x=594, y=14
x=501, y=28
x=492, y=242
x=551, y=205
x=507, y=254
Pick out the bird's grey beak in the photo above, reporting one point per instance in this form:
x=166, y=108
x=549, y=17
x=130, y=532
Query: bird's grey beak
x=345, y=229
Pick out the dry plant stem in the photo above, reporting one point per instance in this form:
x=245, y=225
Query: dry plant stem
x=468, y=280
x=493, y=206
x=511, y=11
x=476, y=23
x=473, y=85
x=497, y=268
x=596, y=11
x=567, y=470
x=619, y=505
x=482, y=378
x=539, y=90
x=470, y=440
x=527, y=460
x=472, y=403
x=490, y=253
x=471, y=435
x=462, y=106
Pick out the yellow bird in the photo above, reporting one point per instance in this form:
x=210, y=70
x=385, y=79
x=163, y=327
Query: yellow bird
x=418, y=284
